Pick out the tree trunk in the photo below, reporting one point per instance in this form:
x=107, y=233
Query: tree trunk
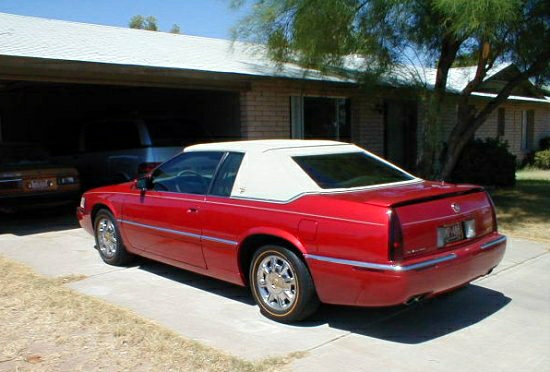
x=428, y=163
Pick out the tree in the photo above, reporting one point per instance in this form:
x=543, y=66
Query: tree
x=391, y=34
x=175, y=29
x=143, y=23
x=149, y=23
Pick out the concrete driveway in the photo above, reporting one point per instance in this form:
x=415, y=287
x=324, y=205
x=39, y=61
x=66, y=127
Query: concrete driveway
x=499, y=323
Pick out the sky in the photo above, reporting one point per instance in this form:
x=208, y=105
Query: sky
x=210, y=18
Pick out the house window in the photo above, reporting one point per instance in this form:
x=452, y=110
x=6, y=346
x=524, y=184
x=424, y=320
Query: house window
x=527, y=129
x=501, y=122
x=320, y=118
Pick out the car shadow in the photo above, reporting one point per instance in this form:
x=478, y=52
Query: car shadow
x=418, y=323
x=204, y=283
x=38, y=220
x=414, y=324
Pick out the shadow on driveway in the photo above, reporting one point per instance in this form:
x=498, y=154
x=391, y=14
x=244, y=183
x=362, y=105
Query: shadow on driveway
x=403, y=324
x=419, y=323
x=39, y=220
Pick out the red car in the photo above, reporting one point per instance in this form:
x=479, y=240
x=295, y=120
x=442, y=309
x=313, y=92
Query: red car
x=301, y=222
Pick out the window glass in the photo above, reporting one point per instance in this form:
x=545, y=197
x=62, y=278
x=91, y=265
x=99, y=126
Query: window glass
x=111, y=136
x=528, y=130
x=189, y=173
x=227, y=174
x=345, y=170
x=501, y=122
x=321, y=118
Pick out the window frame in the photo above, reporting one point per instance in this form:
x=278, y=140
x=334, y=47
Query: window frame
x=298, y=119
x=214, y=173
x=218, y=170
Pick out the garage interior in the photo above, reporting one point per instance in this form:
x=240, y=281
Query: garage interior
x=52, y=114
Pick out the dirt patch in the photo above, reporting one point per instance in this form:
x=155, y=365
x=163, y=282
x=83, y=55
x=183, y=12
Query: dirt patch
x=48, y=327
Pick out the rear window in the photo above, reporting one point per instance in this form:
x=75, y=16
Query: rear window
x=354, y=169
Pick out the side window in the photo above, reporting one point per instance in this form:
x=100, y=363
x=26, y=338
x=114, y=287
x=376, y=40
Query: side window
x=188, y=173
x=111, y=135
x=223, y=184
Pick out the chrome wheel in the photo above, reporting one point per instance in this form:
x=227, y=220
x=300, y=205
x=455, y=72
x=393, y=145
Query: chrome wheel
x=106, y=237
x=276, y=283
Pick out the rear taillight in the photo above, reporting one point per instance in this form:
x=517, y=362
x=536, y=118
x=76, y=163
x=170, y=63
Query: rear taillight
x=396, y=249
x=493, y=212
x=145, y=168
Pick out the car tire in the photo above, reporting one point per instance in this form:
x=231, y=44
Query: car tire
x=108, y=240
x=282, y=285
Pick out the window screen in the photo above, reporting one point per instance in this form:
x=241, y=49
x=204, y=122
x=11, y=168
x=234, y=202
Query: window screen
x=345, y=170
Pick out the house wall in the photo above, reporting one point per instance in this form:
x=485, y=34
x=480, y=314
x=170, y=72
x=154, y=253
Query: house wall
x=512, y=123
x=513, y=127
x=265, y=111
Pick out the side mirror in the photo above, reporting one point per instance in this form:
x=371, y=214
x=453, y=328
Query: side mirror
x=143, y=183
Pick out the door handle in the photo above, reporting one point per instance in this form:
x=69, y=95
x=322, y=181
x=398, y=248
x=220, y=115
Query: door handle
x=192, y=210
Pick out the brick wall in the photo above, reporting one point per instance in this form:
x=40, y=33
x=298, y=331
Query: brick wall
x=265, y=111
x=512, y=123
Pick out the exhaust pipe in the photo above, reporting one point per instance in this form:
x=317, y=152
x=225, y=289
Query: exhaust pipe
x=415, y=300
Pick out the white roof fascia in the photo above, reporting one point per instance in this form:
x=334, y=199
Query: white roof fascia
x=513, y=98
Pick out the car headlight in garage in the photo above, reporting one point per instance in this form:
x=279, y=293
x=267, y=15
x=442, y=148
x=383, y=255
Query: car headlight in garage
x=67, y=180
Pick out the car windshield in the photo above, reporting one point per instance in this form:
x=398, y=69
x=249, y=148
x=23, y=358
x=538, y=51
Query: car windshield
x=345, y=170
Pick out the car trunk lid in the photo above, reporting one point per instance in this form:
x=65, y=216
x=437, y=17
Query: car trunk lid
x=430, y=217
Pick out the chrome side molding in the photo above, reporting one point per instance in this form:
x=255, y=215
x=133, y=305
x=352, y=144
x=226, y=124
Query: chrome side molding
x=492, y=243
x=384, y=267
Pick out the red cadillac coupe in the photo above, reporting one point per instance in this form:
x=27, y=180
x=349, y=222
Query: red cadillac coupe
x=301, y=222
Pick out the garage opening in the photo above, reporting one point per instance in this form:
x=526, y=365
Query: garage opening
x=97, y=128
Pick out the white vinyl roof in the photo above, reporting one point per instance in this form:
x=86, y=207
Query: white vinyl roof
x=32, y=37
x=264, y=145
x=269, y=173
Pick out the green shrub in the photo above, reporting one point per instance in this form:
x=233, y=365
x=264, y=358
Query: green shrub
x=486, y=162
x=544, y=143
x=542, y=159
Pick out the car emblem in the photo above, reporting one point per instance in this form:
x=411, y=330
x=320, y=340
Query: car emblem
x=455, y=207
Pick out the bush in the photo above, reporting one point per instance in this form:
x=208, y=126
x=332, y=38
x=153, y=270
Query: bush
x=544, y=143
x=486, y=162
x=542, y=159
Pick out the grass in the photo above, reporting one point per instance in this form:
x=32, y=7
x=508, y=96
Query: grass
x=524, y=210
x=47, y=326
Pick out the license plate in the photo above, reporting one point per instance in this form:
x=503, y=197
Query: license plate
x=451, y=233
x=40, y=184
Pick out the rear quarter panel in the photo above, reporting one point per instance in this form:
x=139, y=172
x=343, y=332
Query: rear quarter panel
x=313, y=224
